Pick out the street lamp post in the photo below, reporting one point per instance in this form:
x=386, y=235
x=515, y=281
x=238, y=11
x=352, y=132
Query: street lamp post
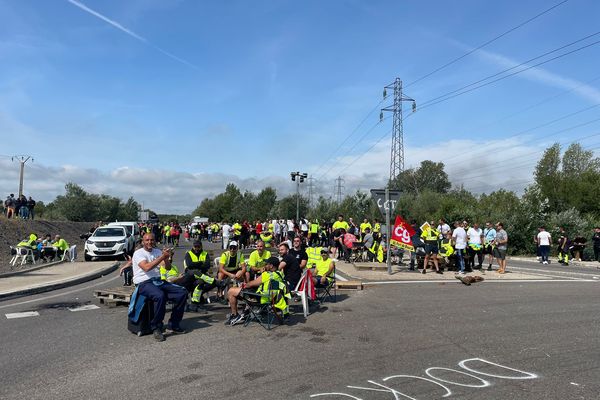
x=299, y=178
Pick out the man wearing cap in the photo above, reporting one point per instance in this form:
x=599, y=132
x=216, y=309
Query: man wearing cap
x=196, y=279
x=232, y=264
x=265, y=284
x=323, y=270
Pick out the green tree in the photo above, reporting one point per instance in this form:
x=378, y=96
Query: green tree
x=428, y=176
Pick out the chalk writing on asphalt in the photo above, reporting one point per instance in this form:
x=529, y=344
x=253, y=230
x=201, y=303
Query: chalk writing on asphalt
x=475, y=373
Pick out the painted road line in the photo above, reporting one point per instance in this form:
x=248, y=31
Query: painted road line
x=84, y=308
x=340, y=278
x=60, y=294
x=545, y=271
x=485, y=281
x=22, y=314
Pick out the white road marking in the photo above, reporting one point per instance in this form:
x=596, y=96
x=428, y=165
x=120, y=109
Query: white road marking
x=487, y=281
x=58, y=295
x=550, y=272
x=22, y=314
x=84, y=308
x=340, y=278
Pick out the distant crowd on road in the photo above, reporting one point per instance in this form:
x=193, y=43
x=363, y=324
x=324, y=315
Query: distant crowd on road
x=19, y=207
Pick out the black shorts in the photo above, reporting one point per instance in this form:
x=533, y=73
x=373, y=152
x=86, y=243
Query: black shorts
x=488, y=249
x=431, y=248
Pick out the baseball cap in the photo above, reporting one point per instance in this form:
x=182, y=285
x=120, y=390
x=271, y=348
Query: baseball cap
x=233, y=243
x=324, y=251
x=273, y=261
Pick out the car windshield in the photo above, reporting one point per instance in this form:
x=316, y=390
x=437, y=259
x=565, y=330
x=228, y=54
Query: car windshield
x=105, y=232
x=128, y=227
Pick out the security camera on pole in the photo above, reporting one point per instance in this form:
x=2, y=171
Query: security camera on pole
x=299, y=178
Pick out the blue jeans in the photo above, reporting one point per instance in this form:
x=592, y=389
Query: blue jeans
x=544, y=252
x=460, y=257
x=160, y=295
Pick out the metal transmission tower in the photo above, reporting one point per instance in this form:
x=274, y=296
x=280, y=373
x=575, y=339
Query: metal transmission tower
x=339, y=186
x=397, y=153
x=22, y=160
x=310, y=190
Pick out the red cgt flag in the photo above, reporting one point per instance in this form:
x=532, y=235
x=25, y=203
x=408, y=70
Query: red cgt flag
x=401, y=234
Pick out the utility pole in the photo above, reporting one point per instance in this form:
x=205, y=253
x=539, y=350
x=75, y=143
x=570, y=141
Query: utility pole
x=339, y=182
x=22, y=160
x=397, y=151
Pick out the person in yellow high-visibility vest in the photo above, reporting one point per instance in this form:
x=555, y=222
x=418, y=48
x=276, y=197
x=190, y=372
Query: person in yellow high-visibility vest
x=430, y=235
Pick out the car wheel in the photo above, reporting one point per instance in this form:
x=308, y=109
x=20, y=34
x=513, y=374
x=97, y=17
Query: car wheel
x=87, y=257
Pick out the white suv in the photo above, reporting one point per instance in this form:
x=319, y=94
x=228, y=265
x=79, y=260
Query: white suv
x=108, y=241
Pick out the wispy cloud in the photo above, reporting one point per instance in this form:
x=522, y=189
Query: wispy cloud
x=582, y=89
x=130, y=33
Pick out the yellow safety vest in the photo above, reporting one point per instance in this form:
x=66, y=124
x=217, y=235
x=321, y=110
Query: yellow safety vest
x=272, y=283
x=447, y=248
x=165, y=275
x=225, y=257
x=323, y=267
x=314, y=255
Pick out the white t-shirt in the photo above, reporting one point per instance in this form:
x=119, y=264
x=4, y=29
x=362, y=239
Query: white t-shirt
x=443, y=229
x=290, y=226
x=544, y=238
x=226, y=230
x=460, y=238
x=474, y=235
x=139, y=275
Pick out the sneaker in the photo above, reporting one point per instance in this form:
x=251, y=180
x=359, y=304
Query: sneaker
x=438, y=272
x=489, y=268
x=158, y=335
x=231, y=317
x=461, y=272
x=240, y=319
x=175, y=329
x=545, y=263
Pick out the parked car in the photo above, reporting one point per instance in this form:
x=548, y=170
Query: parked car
x=133, y=229
x=108, y=241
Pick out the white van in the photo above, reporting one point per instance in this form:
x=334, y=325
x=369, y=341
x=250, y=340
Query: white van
x=133, y=229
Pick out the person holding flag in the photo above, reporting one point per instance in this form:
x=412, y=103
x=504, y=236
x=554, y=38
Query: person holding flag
x=431, y=236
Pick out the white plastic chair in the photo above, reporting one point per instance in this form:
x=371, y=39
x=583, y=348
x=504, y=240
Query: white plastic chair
x=302, y=293
x=70, y=253
x=23, y=253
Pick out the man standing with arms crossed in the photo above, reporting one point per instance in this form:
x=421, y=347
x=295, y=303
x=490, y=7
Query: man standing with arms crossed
x=489, y=236
x=501, y=247
x=146, y=276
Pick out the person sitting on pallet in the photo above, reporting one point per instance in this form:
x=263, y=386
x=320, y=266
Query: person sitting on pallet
x=257, y=261
x=270, y=285
x=196, y=279
x=231, y=265
x=323, y=270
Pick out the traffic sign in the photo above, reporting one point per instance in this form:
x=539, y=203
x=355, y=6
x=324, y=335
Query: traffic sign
x=379, y=197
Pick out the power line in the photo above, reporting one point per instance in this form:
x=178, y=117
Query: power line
x=486, y=43
x=339, y=182
x=458, y=92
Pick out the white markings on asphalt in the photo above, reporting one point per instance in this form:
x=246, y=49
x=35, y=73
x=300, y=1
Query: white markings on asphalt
x=340, y=278
x=59, y=294
x=486, y=281
x=84, y=308
x=488, y=372
x=24, y=314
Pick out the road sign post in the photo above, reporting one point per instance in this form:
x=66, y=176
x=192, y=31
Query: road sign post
x=386, y=200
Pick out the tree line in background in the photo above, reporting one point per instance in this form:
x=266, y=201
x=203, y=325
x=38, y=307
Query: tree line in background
x=78, y=205
x=564, y=192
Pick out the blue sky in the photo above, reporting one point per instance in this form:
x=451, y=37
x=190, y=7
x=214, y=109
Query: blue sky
x=170, y=100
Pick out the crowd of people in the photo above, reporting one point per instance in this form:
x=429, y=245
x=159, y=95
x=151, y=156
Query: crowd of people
x=19, y=207
x=273, y=279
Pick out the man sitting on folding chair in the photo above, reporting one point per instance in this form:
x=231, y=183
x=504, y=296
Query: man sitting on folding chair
x=324, y=273
x=270, y=289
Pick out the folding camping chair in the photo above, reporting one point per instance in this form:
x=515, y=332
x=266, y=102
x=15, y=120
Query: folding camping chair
x=325, y=292
x=265, y=313
x=357, y=253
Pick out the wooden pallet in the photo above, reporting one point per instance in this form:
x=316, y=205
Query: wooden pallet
x=114, y=296
x=356, y=285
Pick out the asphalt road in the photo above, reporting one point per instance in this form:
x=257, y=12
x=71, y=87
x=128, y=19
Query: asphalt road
x=539, y=340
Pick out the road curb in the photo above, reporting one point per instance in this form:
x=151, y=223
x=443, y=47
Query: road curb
x=60, y=285
x=24, y=271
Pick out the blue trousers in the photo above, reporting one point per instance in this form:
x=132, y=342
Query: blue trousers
x=160, y=295
x=460, y=257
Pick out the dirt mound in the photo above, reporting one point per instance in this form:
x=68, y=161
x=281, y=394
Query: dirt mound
x=12, y=231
